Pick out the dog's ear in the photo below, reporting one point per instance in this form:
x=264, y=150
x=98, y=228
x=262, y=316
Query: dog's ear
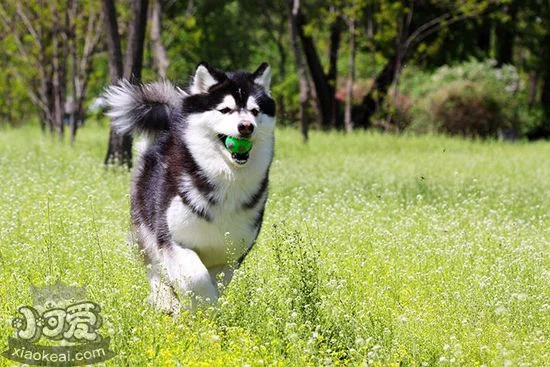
x=205, y=77
x=262, y=76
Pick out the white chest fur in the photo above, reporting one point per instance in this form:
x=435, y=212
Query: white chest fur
x=230, y=231
x=220, y=241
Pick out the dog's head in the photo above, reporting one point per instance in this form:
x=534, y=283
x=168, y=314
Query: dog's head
x=230, y=104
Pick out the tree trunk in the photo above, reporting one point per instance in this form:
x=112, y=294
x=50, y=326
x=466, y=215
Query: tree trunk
x=113, y=41
x=335, y=36
x=74, y=60
x=533, y=86
x=545, y=93
x=58, y=57
x=160, y=58
x=136, y=40
x=484, y=37
x=324, y=92
x=348, y=123
x=300, y=68
x=119, y=148
x=505, y=35
x=545, y=96
x=376, y=95
x=81, y=62
x=542, y=131
x=281, y=47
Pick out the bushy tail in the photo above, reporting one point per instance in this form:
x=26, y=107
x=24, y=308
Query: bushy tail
x=142, y=108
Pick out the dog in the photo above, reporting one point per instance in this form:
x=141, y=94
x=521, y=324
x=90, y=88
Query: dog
x=197, y=206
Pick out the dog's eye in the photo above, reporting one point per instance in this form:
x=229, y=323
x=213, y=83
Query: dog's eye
x=225, y=110
x=255, y=111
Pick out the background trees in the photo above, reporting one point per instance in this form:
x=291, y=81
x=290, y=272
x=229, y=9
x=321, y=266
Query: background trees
x=338, y=64
x=119, y=148
x=48, y=52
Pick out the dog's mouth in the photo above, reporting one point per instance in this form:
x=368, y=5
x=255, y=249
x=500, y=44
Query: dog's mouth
x=239, y=157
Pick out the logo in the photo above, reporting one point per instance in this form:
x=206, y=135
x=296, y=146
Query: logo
x=66, y=326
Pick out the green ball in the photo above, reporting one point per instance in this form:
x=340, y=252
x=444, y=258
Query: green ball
x=236, y=145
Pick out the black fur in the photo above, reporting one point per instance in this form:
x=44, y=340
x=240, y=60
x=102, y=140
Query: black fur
x=241, y=85
x=254, y=199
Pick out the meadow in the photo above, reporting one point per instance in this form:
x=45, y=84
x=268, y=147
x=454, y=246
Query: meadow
x=376, y=250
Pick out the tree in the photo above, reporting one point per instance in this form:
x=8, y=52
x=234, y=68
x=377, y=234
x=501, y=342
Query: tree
x=81, y=53
x=324, y=84
x=541, y=46
x=505, y=32
x=305, y=94
x=50, y=50
x=160, y=57
x=404, y=26
x=119, y=149
x=351, y=12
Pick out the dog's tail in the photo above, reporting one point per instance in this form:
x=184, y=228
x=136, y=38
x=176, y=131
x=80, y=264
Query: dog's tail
x=143, y=108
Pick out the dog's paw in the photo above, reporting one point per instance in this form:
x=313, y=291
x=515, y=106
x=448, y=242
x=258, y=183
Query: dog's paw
x=163, y=299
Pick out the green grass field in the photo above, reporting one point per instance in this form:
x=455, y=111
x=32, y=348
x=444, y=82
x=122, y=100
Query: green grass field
x=375, y=250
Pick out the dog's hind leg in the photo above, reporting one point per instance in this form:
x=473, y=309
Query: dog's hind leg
x=188, y=276
x=162, y=296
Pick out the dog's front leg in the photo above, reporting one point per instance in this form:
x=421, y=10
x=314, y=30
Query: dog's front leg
x=188, y=276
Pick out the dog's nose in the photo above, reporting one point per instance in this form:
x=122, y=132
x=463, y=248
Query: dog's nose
x=245, y=128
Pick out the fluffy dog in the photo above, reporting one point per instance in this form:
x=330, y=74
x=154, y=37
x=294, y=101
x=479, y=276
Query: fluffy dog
x=197, y=204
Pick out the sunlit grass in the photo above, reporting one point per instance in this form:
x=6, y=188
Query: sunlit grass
x=375, y=250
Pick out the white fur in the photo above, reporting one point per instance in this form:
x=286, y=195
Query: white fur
x=162, y=296
x=202, y=250
x=265, y=79
x=218, y=244
x=236, y=184
x=188, y=275
x=124, y=100
x=251, y=104
x=142, y=144
x=202, y=81
x=180, y=271
x=228, y=102
x=201, y=136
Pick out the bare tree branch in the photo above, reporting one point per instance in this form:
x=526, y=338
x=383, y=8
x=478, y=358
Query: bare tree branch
x=417, y=32
x=32, y=95
x=28, y=24
x=17, y=37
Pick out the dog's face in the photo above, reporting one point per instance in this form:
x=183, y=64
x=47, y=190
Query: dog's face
x=235, y=104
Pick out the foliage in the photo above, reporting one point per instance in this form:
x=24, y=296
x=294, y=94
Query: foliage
x=49, y=49
x=468, y=109
x=15, y=109
x=239, y=34
x=376, y=250
x=473, y=98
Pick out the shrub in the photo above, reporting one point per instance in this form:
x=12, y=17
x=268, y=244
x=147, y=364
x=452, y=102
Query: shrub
x=470, y=99
x=465, y=108
x=399, y=107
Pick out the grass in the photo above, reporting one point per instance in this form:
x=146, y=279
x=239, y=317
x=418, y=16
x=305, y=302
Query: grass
x=375, y=250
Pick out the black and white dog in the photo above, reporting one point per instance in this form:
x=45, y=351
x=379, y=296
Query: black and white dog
x=197, y=207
